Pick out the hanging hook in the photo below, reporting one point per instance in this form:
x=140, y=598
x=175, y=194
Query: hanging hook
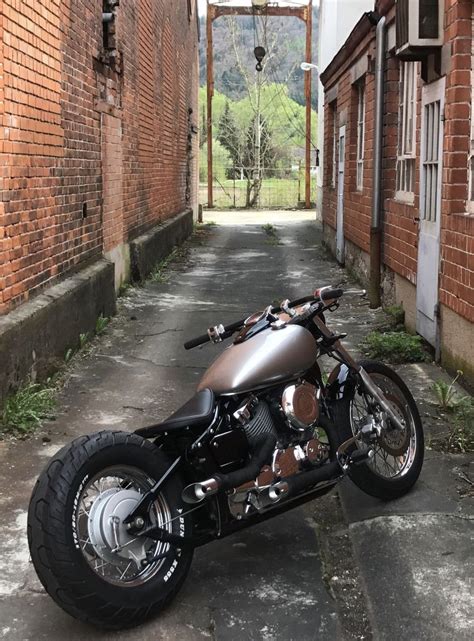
x=260, y=54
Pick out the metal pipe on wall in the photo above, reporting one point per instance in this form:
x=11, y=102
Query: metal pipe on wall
x=376, y=221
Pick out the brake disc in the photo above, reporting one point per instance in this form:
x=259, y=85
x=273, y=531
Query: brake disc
x=391, y=439
x=107, y=532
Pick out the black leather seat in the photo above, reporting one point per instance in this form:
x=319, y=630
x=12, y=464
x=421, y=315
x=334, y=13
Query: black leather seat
x=197, y=412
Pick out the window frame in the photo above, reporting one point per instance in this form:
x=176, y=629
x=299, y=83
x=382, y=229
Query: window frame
x=407, y=109
x=360, y=137
x=334, y=164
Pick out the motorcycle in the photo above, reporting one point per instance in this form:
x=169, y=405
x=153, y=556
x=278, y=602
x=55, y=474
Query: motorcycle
x=114, y=517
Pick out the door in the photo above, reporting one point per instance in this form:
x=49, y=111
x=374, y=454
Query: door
x=430, y=210
x=340, y=196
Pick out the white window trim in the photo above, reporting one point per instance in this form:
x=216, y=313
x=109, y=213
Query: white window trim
x=360, y=136
x=334, y=146
x=402, y=195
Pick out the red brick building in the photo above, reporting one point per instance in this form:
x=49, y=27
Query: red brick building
x=427, y=171
x=98, y=144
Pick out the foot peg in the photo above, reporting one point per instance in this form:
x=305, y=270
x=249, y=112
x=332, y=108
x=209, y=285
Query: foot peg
x=360, y=456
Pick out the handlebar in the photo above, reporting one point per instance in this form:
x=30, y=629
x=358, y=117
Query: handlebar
x=319, y=295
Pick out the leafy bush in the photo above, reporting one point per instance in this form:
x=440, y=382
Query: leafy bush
x=395, y=347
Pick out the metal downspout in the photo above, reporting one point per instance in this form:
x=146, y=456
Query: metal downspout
x=376, y=222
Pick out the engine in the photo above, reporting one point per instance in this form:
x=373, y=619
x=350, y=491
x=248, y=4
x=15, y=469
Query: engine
x=297, y=449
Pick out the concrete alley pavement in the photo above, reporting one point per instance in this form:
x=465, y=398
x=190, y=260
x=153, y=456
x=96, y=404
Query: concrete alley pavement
x=265, y=583
x=273, y=582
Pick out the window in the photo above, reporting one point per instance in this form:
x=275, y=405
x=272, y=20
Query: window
x=360, y=135
x=334, y=145
x=406, y=131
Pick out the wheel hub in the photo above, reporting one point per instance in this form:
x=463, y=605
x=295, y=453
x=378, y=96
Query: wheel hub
x=107, y=532
x=391, y=439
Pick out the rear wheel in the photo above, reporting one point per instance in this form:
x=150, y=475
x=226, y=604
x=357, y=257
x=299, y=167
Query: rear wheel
x=83, y=553
x=397, y=454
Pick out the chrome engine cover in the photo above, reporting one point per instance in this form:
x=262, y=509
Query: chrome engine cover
x=300, y=405
x=256, y=495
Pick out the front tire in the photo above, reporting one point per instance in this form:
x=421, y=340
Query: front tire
x=398, y=457
x=75, y=529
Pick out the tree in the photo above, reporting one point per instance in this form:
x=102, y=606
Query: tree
x=229, y=137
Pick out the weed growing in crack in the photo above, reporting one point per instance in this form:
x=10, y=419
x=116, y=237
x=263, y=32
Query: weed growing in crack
x=272, y=234
x=101, y=324
x=445, y=392
x=27, y=408
x=158, y=274
x=459, y=418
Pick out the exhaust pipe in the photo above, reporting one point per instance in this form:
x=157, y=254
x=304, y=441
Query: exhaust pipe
x=197, y=492
x=278, y=491
x=263, y=450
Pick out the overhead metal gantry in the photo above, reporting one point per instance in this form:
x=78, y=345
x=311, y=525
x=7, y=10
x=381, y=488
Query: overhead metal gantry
x=305, y=13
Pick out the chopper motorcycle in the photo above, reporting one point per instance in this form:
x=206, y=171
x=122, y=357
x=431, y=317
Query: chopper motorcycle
x=114, y=517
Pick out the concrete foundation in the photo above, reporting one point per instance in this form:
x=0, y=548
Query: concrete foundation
x=34, y=338
x=147, y=250
x=405, y=295
x=457, y=344
x=120, y=257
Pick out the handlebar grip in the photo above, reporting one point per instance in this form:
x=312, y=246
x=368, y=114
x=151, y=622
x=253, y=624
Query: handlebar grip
x=194, y=342
x=331, y=294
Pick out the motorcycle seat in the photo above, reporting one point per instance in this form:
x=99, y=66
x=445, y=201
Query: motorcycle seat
x=197, y=412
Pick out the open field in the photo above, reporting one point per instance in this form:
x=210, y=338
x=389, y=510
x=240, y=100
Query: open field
x=276, y=193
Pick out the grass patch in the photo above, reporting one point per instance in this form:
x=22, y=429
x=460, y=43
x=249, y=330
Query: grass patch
x=27, y=408
x=395, y=347
x=396, y=314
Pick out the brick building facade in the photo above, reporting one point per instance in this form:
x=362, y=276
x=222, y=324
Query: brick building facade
x=427, y=174
x=98, y=147
x=95, y=118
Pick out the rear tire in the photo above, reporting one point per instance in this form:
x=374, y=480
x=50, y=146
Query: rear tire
x=366, y=476
x=63, y=564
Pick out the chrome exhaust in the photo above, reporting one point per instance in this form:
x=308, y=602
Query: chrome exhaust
x=278, y=491
x=197, y=492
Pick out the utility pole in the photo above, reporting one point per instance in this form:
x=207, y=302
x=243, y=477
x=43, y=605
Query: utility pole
x=258, y=141
x=307, y=93
x=210, y=93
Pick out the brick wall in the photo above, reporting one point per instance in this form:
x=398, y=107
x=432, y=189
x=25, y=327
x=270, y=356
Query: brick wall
x=457, y=229
x=92, y=154
x=400, y=238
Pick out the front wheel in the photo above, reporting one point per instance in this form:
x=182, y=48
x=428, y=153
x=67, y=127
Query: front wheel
x=397, y=455
x=83, y=553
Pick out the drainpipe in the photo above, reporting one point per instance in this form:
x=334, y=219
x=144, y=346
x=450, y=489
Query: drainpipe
x=376, y=222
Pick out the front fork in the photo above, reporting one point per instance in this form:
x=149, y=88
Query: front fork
x=370, y=387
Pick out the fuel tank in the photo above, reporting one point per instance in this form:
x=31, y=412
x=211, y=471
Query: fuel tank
x=269, y=357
